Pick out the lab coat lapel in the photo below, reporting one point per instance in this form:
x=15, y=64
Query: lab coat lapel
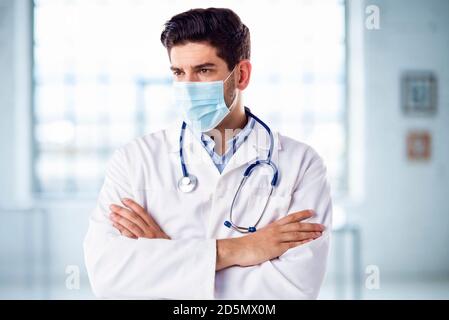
x=197, y=160
x=255, y=147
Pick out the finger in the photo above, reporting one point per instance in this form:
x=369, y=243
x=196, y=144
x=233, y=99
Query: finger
x=302, y=226
x=298, y=236
x=134, y=228
x=295, y=217
x=124, y=232
x=141, y=212
x=130, y=215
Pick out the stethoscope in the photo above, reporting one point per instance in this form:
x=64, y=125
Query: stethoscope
x=188, y=182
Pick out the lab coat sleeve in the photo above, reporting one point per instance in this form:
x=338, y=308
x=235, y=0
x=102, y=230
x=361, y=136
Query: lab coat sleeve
x=120, y=267
x=299, y=272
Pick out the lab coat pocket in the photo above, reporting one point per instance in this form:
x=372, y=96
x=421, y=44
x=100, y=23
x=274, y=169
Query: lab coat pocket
x=315, y=249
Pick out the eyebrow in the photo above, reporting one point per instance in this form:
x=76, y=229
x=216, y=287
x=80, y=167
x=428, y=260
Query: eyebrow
x=200, y=66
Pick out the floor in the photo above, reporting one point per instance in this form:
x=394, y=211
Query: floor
x=394, y=289
x=415, y=289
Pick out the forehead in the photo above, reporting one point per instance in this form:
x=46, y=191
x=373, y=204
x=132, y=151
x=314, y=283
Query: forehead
x=192, y=54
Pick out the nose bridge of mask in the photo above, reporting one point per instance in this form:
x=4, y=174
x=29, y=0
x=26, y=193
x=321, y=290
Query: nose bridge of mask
x=186, y=90
x=194, y=91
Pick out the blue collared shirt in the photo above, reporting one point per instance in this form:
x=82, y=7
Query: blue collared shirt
x=233, y=144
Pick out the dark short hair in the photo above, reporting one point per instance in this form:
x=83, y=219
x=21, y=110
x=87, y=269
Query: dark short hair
x=220, y=27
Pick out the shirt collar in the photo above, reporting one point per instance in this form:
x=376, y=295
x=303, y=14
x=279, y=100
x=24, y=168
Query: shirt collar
x=173, y=131
x=236, y=140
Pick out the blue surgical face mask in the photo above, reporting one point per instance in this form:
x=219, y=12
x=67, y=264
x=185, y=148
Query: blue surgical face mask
x=203, y=103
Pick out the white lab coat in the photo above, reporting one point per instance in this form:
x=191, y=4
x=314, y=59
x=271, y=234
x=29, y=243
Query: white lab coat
x=148, y=169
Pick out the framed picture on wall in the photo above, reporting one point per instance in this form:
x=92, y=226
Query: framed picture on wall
x=419, y=145
x=419, y=93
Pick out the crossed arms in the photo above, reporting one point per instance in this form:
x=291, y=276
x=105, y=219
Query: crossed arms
x=266, y=244
x=128, y=255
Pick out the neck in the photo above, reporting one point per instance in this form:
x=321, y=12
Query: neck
x=230, y=126
x=235, y=120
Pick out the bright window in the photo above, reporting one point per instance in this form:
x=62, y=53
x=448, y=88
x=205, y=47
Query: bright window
x=102, y=78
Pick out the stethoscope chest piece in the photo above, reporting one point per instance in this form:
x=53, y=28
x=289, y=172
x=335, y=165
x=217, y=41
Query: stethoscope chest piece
x=187, y=184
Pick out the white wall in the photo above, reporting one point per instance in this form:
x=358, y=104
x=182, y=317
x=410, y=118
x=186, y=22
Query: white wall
x=404, y=214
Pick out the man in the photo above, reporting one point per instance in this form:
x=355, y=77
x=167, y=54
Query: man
x=150, y=238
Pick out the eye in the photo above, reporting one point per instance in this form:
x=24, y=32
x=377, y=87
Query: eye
x=204, y=70
x=177, y=72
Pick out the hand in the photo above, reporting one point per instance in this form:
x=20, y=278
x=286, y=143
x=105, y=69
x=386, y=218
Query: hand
x=273, y=240
x=134, y=222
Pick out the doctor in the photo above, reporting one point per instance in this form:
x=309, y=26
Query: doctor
x=217, y=206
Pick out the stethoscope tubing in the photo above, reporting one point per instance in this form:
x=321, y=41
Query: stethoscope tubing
x=188, y=182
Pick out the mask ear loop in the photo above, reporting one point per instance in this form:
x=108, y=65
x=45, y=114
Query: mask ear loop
x=234, y=102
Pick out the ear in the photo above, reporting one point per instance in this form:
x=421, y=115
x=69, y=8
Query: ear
x=244, y=73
